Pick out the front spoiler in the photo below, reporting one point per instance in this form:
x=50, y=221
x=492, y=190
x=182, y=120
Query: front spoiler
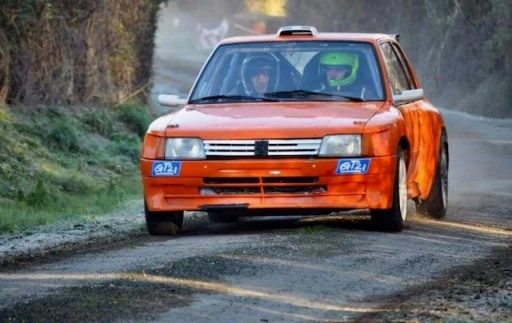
x=182, y=192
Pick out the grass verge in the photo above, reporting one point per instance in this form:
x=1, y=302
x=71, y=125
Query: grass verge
x=60, y=163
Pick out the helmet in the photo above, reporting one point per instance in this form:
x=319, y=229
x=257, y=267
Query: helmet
x=255, y=63
x=338, y=59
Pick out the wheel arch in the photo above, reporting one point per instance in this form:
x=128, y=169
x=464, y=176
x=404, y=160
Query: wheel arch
x=403, y=143
x=444, y=134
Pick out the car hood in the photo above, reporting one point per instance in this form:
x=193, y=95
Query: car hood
x=270, y=119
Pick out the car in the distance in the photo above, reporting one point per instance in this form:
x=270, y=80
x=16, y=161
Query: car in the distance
x=298, y=122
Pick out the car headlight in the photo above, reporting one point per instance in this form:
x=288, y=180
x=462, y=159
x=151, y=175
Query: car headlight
x=184, y=148
x=341, y=145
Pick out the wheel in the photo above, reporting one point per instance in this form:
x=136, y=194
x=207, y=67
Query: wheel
x=163, y=223
x=221, y=217
x=392, y=219
x=436, y=204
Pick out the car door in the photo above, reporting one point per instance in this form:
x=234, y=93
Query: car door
x=420, y=121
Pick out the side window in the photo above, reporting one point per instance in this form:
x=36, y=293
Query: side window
x=401, y=56
x=397, y=75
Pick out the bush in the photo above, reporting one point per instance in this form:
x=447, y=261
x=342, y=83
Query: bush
x=39, y=197
x=127, y=144
x=63, y=136
x=101, y=121
x=136, y=117
x=75, y=184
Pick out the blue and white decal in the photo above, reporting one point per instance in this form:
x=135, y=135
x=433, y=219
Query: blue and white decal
x=353, y=166
x=165, y=168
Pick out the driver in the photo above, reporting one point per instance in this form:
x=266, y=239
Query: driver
x=259, y=74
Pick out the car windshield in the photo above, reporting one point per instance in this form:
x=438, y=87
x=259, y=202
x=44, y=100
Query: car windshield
x=290, y=71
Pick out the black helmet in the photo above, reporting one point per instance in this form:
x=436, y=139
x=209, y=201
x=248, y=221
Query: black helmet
x=254, y=64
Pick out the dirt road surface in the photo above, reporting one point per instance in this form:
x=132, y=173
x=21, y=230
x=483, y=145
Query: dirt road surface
x=293, y=269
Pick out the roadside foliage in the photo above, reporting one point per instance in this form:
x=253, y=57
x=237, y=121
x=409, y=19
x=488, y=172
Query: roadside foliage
x=69, y=52
x=58, y=164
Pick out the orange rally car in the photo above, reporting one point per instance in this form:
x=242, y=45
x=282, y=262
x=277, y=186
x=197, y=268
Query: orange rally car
x=298, y=122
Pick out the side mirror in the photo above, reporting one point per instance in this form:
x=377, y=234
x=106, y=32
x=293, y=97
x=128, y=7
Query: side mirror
x=171, y=100
x=408, y=96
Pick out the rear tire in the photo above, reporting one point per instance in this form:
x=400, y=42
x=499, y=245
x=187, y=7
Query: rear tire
x=436, y=204
x=221, y=217
x=392, y=219
x=163, y=223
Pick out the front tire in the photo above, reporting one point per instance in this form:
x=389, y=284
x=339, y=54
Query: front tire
x=163, y=223
x=436, y=204
x=392, y=219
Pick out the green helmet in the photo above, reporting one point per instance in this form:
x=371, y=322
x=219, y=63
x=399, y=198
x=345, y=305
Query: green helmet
x=340, y=59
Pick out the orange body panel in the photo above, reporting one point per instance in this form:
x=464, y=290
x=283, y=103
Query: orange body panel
x=422, y=125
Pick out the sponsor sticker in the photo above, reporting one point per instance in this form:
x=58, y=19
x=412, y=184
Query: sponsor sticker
x=353, y=166
x=165, y=168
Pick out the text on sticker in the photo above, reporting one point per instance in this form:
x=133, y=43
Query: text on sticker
x=353, y=166
x=166, y=168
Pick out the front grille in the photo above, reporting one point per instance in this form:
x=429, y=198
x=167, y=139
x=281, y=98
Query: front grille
x=231, y=180
x=289, y=179
x=271, y=147
x=261, y=185
x=228, y=190
x=296, y=189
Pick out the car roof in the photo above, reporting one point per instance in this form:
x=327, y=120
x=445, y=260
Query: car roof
x=321, y=36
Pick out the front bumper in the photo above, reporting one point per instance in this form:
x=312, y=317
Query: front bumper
x=269, y=184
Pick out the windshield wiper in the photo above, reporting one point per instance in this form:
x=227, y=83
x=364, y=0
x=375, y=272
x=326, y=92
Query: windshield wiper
x=293, y=93
x=232, y=97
